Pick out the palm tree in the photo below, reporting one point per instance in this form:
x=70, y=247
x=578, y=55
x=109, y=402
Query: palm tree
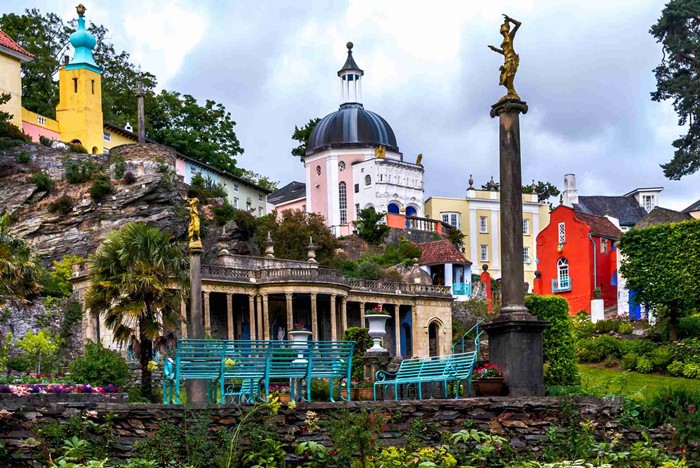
x=138, y=276
x=18, y=270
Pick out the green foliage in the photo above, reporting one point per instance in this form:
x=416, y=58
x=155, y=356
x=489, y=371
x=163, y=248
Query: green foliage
x=205, y=188
x=56, y=282
x=662, y=356
x=20, y=363
x=355, y=436
x=132, y=274
x=72, y=314
x=644, y=365
x=129, y=178
x=119, y=167
x=598, y=348
x=101, y=187
x=99, y=366
x=362, y=343
x=369, y=226
x=63, y=205
x=24, y=157
x=39, y=345
x=45, y=141
x=678, y=407
x=77, y=148
x=456, y=237
x=43, y=181
x=292, y=232
x=558, y=339
x=259, y=180
x=689, y=327
x=224, y=213
x=368, y=269
x=662, y=264
x=302, y=135
x=19, y=271
x=676, y=368
x=78, y=171
x=691, y=370
x=10, y=134
x=629, y=361
x=676, y=78
x=398, y=253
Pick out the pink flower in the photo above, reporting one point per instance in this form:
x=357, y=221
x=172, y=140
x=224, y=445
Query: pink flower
x=20, y=390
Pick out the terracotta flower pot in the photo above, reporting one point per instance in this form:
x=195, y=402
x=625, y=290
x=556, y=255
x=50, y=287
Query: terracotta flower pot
x=285, y=397
x=353, y=393
x=490, y=387
x=365, y=394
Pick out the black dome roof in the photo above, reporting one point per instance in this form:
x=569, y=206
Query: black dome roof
x=351, y=126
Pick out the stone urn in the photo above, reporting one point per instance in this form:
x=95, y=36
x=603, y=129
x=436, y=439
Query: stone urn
x=377, y=330
x=300, y=342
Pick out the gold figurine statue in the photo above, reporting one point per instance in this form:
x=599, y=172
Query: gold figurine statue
x=380, y=152
x=511, y=60
x=195, y=239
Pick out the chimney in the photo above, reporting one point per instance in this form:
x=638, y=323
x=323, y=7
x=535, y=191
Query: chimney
x=570, y=195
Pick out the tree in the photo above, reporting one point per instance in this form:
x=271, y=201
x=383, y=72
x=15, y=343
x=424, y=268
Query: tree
x=677, y=78
x=19, y=272
x=292, y=232
x=544, y=190
x=369, y=226
x=302, y=136
x=661, y=264
x=138, y=276
x=39, y=345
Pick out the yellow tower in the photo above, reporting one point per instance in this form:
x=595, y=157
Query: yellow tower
x=79, y=110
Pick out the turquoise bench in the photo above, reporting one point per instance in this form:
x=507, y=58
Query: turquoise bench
x=463, y=368
x=332, y=360
x=241, y=381
x=195, y=360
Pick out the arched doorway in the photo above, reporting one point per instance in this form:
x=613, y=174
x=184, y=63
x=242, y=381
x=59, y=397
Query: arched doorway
x=434, y=338
x=393, y=208
x=411, y=210
x=94, y=150
x=406, y=344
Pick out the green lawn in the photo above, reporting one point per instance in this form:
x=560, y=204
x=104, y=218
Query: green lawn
x=598, y=379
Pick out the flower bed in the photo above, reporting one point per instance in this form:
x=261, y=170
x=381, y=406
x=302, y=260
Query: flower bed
x=28, y=389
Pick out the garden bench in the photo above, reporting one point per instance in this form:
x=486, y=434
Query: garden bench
x=332, y=360
x=416, y=371
x=249, y=363
x=196, y=359
x=463, y=366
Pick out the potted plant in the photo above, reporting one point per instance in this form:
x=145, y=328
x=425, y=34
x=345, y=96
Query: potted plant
x=597, y=293
x=365, y=389
x=489, y=380
x=300, y=336
x=377, y=318
x=281, y=392
x=353, y=389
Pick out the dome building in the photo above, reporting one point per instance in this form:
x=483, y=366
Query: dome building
x=353, y=162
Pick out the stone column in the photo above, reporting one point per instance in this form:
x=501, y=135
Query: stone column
x=397, y=329
x=229, y=314
x=362, y=315
x=334, y=320
x=259, y=335
x=251, y=315
x=183, y=317
x=140, y=110
x=266, y=318
x=207, y=315
x=515, y=336
x=290, y=311
x=343, y=314
x=314, y=318
x=196, y=389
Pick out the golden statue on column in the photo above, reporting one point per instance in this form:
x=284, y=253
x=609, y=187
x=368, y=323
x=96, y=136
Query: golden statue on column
x=195, y=239
x=511, y=60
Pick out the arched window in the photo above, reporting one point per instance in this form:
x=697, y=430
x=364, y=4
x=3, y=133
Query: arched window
x=343, y=202
x=368, y=180
x=411, y=210
x=563, y=278
x=393, y=208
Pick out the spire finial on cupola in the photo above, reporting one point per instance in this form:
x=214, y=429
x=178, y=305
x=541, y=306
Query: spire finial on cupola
x=83, y=42
x=350, y=79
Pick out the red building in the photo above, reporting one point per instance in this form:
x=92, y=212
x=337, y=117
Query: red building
x=576, y=254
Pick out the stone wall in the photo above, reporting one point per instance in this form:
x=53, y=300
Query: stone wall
x=523, y=421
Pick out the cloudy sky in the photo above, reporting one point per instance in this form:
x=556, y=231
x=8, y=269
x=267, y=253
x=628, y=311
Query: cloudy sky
x=585, y=71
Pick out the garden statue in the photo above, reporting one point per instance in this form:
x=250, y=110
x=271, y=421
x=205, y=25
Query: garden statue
x=511, y=60
x=195, y=239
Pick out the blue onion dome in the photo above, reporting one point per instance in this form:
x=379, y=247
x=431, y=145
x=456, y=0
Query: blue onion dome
x=351, y=126
x=83, y=42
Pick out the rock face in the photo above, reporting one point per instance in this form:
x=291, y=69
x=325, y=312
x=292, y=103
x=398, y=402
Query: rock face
x=156, y=197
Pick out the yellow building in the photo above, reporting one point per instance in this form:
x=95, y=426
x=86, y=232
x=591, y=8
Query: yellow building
x=12, y=55
x=478, y=216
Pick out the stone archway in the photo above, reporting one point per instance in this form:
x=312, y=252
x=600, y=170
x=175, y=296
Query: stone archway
x=434, y=329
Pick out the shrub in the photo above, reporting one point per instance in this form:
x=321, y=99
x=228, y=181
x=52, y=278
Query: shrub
x=641, y=347
x=676, y=368
x=691, y=370
x=626, y=328
x=23, y=157
x=119, y=167
x=38, y=346
x=644, y=365
x=99, y=366
x=558, y=339
x=610, y=362
x=677, y=406
x=19, y=363
x=101, y=187
x=43, y=181
x=46, y=141
x=629, y=361
x=62, y=205
x=224, y=213
x=662, y=356
x=205, y=188
x=78, y=171
x=689, y=327
x=606, y=326
x=362, y=343
x=77, y=148
x=10, y=131
x=129, y=178
x=368, y=269
x=597, y=349
x=582, y=326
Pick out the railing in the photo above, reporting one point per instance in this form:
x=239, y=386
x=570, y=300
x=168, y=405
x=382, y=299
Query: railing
x=461, y=289
x=398, y=288
x=561, y=285
x=302, y=274
x=460, y=346
x=423, y=224
x=212, y=271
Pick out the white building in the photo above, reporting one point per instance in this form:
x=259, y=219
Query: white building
x=353, y=162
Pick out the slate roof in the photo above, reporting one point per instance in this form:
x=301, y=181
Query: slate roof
x=439, y=252
x=624, y=208
x=292, y=191
x=9, y=43
x=662, y=216
x=694, y=207
x=600, y=225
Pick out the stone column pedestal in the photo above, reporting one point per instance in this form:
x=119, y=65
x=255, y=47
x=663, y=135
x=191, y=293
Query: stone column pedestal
x=374, y=362
x=196, y=389
x=516, y=346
